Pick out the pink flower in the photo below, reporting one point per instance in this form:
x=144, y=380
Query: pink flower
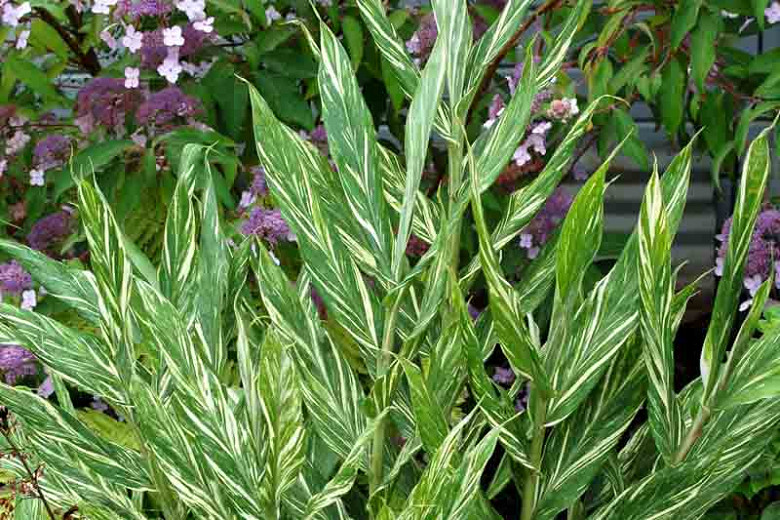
x=29, y=300
x=12, y=15
x=16, y=143
x=108, y=39
x=563, y=109
x=37, y=177
x=526, y=240
x=133, y=39
x=194, y=9
x=773, y=12
x=3, y=166
x=247, y=199
x=131, y=77
x=521, y=156
x=21, y=40
x=752, y=284
x=205, y=26
x=170, y=67
x=103, y=6
x=172, y=37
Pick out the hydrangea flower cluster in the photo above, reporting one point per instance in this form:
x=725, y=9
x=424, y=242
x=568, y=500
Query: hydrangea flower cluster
x=772, y=12
x=49, y=231
x=168, y=108
x=763, y=253
x=538, y=231
x=268, y=225
x=14, y=279
x=15, y=363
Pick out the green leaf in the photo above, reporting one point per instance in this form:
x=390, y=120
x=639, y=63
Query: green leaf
x=672, y=96
x=230, y=96
x=284, y=95
x=353, y=145
x=418, y=129
x=759, y=6
x=109, y=428
x=31, y=76
x=703, y=47
x=353, y=36
x=45, y=37
x=683, y=20
x=305, y=189
x=90, y=160
x=514, y=337
x=656, y=294
x=579, y=447
x=753, y=182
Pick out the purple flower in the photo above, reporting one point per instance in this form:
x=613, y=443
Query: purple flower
x=138, y=8
x=319, y=135
x=14, y=279
x=50, y=230
x=104, y=102
x=168, y=107
x=474, y=312
x=16, y=362
x=503, y=376
x=416, y=246
x=495, y=110
x=155, y=51
x=259, y=185
x=772, y=12
x=51, y=152
x=764, y=246
x=522, y=399
x=538, y=231
x=421, y=43
x=267, y=224
x=46, y=389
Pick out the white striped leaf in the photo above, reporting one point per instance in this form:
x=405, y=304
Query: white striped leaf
x=733, y=441
x=431, y=423
x=390, y=45
x=212, y=273
x=493, y=41
x=80, y=358
x=426, y=215
x=496, y=148
x=418, y=130
x=353, y=145
x=497, y=409
x=656, y=294
x=752, y=184
x=526, y=202
x=578, y=448
x=756, y=373
x=113, y=275
x=610, y=314
x=299, y=180
x=61, y=439
x=331, y=392
x=514, y=337
x=280, y=404
x=74, y=287
x=177, y=268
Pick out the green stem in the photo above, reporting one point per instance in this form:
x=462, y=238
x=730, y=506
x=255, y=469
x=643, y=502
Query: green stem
x=383, y=362
x=693, y=435
x=455, y=173
x=531, y=483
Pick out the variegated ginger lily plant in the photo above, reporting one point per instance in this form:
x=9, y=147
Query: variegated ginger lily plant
x=235, y=413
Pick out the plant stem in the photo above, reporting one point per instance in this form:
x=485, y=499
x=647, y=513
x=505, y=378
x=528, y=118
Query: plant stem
x=693, y=435
x=30, y=474
x=378, y=443
x=537, y=443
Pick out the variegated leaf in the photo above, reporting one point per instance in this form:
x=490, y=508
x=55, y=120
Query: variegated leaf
x=299, y=181
x=353, y=144
x=331, y=392
x=656, y=294
x=74, y=287
x=610, y=314
x=752, y=184
x=578, y=447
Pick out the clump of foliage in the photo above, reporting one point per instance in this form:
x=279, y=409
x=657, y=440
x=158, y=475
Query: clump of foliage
x=223, y=406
